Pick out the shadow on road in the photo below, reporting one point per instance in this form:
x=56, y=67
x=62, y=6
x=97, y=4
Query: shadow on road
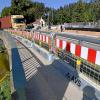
x=18, y=74
x=89, y=93
x=51, y=81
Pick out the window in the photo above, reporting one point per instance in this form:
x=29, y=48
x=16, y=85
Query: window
x=19, y=20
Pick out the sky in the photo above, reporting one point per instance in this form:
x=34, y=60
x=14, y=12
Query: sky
x=55, y=3
x=48, y=3
x=4, y=3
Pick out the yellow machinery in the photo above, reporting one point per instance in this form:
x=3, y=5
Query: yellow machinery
x=18, y=21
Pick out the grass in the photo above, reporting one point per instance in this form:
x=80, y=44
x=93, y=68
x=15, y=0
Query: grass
x=4, y=74
x=4, y=61
x=4, y=64
x=5, y=93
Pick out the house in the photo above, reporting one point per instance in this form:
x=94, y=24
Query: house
x=39, y=22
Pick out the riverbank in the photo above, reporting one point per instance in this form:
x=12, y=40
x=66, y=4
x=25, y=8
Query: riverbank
x=5, y=93
x=4, y=60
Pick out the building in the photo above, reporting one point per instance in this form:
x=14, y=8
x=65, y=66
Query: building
x=39, y=22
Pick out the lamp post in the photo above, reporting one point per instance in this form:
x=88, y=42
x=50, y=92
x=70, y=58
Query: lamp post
x=48, y=20
x=52, y=16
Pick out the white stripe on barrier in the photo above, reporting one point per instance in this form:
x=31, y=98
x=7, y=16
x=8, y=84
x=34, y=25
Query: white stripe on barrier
x=97, y=58
x=84, y=52
x=47, y=39
x=38, y=36
x=72, y=48
x=64, y=45
x=57, y=43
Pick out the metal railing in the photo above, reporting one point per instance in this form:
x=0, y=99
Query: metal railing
x=83, y=25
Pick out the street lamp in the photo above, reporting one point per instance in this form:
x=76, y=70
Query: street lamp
x=48, y=20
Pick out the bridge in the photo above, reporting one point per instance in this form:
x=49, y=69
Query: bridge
x=39, y=74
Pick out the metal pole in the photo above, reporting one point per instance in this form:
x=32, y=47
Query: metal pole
x=48, y=20
x=52, y=16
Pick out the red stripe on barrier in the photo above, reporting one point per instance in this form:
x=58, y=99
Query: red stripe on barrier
x=68, y=47
x=35, y=36
x=48, y=40
x=45, y=38
x=60, y=44
x=42, y=37
x=39, y=36
x=78, y=50
x=91, y=55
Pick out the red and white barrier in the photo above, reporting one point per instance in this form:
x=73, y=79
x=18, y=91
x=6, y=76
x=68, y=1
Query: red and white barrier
x=86, y=53
x=42, y=37
x=47, y=39
x=97, y=58
x=63, y=45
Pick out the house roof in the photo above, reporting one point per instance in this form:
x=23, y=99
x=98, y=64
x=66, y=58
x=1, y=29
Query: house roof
x=37, y=21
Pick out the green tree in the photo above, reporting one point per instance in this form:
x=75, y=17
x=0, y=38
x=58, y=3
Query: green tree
x=6, y=12
x=31, y=10
x=81, y=11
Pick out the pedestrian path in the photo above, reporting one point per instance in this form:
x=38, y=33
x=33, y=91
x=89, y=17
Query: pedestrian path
x=36, y=84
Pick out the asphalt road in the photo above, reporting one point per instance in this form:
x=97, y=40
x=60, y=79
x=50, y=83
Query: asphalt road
x=81, y=38
x=47, y=82
x=78, y=37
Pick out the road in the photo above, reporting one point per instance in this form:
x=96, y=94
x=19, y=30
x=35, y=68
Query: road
x=81, y=38
x=49, y=82
x=46, y=82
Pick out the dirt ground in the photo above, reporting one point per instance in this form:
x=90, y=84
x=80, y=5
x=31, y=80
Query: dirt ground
x=88, y=33
x=84, y=32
